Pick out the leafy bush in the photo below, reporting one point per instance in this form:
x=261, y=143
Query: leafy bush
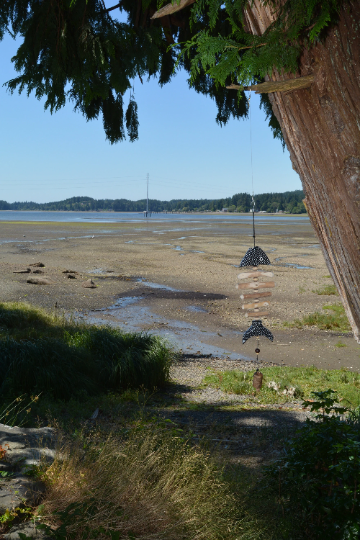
x=319, y=475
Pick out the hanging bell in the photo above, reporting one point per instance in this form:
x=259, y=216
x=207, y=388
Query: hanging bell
x=257, y=380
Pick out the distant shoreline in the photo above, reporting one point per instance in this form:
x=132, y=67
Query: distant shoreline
x=277, y=214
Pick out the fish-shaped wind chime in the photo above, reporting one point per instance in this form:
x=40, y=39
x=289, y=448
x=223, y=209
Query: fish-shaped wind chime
x=254, y=301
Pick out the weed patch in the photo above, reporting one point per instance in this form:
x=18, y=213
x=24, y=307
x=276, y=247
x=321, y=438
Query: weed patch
x=327, y=290
x=305, y=380
x=334, y=319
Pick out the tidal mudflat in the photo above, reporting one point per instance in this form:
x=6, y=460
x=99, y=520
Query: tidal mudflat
x=177, y=278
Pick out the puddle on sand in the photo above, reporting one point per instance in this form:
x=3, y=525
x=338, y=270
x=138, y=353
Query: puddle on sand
x=178, y=248
x=100, y=271
x=182, y=335
x=294, y=265
x=197, y=309
x=195, y=251
x=129, y=242
x=155, y=285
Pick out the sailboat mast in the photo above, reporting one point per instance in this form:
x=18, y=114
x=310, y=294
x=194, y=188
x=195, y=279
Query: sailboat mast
x=147, y=193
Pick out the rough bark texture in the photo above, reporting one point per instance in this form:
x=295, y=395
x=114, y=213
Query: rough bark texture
x=321, y=127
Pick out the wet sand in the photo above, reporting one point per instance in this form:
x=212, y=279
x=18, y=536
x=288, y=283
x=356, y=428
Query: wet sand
x=178, y=279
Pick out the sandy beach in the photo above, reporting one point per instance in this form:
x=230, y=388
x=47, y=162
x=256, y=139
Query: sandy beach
x=178, y=279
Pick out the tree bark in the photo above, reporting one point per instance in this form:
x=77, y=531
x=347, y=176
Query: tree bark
x=321, y=127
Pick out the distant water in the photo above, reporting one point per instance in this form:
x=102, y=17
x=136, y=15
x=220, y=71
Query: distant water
x=127, y=217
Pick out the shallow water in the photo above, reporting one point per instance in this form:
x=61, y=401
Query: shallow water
x=116, y=217
x=184, y=336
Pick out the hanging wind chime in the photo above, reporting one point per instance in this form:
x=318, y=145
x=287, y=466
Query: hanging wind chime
x=254, y=302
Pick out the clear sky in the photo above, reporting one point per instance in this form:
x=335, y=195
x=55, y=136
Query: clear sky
x=46, y=157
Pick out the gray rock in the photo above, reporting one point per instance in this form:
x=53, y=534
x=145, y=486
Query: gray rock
x=19, y=490
x=70, y=272
x=25, y=528
x=38, y=264
x=25, y=447
x=71, y=276
x=26, y=271
x=38, y=271
x=89, y=284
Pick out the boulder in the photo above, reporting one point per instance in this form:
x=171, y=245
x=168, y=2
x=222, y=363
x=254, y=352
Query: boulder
x=89, y=284
x=23, y=448
x=39, y=281
x=28, y=529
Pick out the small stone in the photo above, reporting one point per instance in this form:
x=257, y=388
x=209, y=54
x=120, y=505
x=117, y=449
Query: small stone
x=38, y=264
x=71, y=276
x=89, y=284
x=38, y=271
x=69, y=272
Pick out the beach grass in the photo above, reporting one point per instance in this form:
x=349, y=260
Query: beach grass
x=151, y=484
x=50, y=355
x=304, y=380
x=334, y=319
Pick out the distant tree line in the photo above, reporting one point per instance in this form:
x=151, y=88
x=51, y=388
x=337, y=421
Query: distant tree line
x=290, y=201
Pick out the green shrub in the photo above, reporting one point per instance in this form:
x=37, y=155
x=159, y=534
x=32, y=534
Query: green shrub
x=319, y=475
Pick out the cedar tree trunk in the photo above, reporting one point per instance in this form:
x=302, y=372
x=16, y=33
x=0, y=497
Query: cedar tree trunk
x=321, y=127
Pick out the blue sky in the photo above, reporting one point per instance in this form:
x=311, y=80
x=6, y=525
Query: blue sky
x=48, y=157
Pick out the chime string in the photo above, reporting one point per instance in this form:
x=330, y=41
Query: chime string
x=252, y=171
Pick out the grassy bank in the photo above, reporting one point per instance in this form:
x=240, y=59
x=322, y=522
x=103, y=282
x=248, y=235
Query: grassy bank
x=42, y=353
x=304, y=380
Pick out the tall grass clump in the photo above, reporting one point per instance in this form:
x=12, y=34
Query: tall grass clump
x=40, y=353
x=153, y=485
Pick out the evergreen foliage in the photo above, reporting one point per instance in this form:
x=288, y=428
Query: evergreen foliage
x=75, y=50
x=290, y=201
x=248, y=58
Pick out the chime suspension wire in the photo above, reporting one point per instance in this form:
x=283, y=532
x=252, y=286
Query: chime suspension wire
x=252, y=171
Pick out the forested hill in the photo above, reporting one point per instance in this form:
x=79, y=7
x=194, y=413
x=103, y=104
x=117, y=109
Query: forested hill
x=290, y=201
